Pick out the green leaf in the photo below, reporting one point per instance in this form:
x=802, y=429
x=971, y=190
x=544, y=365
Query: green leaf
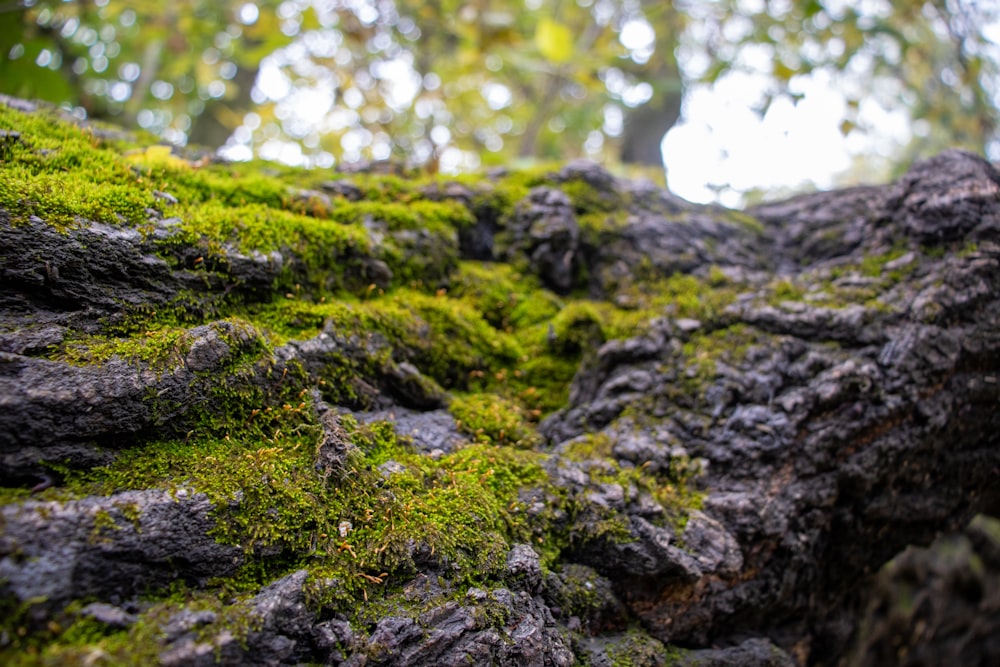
x=812, y=8
x=310, y=20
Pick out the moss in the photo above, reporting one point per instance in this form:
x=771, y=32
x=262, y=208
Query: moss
x=492, y=419
x=786, y=290
x=670, y=487
x=23, y=639
x=542, y=382
x=505, y=346
x=61, y=172
x=700, y=357
x=575, y=329
x=159, y=347
x=577, y=592
x=588, y=200
x=862, y=283
x=507, y=299
x=11, y=496
x=637, y=649
x=74, y=638
x=499, y=202
x=744, y=220
x=872, y=265
x=679, y=296
x=269, y=498
x=104, y=524
x=447, y=339
x=717, y=277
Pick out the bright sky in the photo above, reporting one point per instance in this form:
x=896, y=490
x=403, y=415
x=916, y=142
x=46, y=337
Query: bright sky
x=722, y=147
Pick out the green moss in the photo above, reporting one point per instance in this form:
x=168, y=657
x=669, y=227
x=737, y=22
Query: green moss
x=588, y=200
x=493, y=419
x=506, y=298
x=104, y=524
x=457, y=341
x=447, y=339
x=75, y=639
x=717, y=277
x=505, y=346
x=670, y=488
x=498, y=202
x=160, y=348
x=872, y=265
x=575, y=329
x=786, y=290
x=744, y=220
x=269, y=496
x=679, y=296
x=845, y=285
x=577, y=594
x=701, y=355
x=62, y=172
x=10, y=496
x=637, y=649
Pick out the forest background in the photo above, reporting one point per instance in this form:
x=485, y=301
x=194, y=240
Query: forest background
x=457, y=85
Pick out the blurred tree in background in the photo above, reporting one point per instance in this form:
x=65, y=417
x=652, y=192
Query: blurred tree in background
x=459, y=83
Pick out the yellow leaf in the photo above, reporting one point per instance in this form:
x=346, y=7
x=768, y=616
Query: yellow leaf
x=782, y=71
x=554, y=40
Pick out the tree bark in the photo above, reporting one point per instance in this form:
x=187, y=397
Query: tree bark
x=809, y=387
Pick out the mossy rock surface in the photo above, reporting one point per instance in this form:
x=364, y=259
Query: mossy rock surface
x=255, y=413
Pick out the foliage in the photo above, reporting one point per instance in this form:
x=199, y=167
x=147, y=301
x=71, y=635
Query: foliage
x=457, y=83
x=931, y=58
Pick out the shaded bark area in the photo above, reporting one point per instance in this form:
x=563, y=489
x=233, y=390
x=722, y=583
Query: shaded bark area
x=841, y=434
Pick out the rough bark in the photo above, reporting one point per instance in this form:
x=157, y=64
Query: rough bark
x=841, y=406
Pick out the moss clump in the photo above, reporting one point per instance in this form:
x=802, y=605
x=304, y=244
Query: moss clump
x=493, y=419
x=575, y=329
x=461, y=510
x=60, y=172
x=457, y=341
x=590, y=200
x=74, y=638
x=159, y=348
x=637, y=649
x=447, y=339
x=680, y=295
x=507, y=299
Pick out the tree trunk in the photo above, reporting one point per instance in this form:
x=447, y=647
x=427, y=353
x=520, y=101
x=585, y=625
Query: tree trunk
x=645, y=128
x=647, y=125
x=220, y=117
x=790, y=396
